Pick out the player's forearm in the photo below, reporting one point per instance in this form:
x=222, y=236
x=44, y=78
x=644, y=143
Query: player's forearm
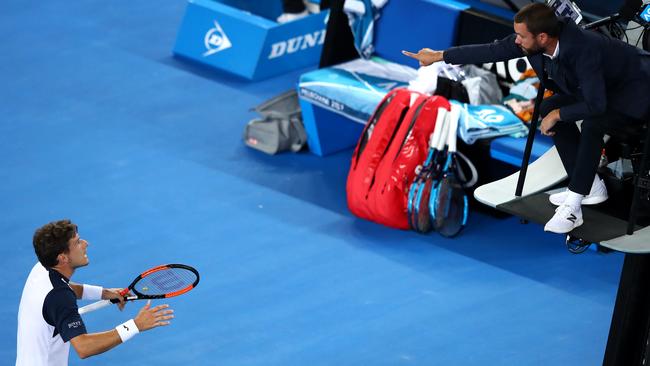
x=89, y=292
x=92, y=344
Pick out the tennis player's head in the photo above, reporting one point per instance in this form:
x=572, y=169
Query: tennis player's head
x=58, y=244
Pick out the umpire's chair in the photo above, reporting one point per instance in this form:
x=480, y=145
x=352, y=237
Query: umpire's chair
x=632, y=143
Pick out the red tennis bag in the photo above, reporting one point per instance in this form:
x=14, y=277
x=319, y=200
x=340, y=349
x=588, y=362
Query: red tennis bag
x=393, y=143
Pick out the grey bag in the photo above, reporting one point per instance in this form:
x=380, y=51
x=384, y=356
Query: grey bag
x=482, y=86
x=280, y=127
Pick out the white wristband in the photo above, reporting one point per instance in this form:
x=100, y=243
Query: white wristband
x=127, y=330
x=91, y=292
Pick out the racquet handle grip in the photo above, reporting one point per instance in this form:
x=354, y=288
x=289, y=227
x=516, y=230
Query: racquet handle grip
x=102, y=303
x=123, y=292
x=126, y=298
x=94, y=306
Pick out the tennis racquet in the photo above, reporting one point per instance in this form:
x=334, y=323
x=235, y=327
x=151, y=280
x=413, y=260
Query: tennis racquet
x=420, y=172
x=448, y=204
x=421, y=187
x=157, y=283
x=432, y=179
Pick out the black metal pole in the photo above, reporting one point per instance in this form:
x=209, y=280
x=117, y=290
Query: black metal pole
x=603, y=21
x=529, y=141
x=627, y=342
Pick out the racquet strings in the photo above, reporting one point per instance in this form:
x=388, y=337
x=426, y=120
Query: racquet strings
x=450, y=207
x=423, y=216
x=165, y=281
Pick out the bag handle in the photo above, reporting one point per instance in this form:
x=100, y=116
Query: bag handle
x=295, y=122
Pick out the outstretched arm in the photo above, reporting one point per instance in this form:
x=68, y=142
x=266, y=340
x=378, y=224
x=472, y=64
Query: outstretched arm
x=92, y=344
x=501, y=50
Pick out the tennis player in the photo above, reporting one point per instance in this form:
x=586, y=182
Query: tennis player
x=48, y=317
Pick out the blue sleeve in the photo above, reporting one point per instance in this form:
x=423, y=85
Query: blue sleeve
x=501, y=50
x=60, y=310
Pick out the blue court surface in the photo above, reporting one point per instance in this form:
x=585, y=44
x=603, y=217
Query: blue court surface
x=100, y=124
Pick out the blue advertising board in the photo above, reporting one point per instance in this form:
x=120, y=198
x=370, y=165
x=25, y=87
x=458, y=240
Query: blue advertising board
x=245, y=44
x=415, y=24
x=269, y=9
x=645, y=14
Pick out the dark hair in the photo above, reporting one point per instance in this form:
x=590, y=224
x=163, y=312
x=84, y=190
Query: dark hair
x=539, y=18
x=52, y=239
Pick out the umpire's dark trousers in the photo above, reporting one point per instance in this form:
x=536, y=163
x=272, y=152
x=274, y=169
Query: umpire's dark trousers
x=580, y=152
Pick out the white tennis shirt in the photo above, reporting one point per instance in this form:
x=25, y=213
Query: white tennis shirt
x=48, y=318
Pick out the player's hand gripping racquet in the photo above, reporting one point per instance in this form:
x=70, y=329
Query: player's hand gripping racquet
x=157, y=283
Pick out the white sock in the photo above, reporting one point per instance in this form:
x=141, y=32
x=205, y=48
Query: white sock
x=573, y=199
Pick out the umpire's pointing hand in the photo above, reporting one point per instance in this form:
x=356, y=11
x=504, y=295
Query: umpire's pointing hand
x=425, y=56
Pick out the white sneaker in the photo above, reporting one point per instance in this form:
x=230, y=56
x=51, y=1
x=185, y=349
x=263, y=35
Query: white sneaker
x=566, y=218
x=598, y=194
x=290, y=17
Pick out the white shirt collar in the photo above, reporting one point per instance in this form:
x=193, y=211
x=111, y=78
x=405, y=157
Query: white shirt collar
x=556, y=52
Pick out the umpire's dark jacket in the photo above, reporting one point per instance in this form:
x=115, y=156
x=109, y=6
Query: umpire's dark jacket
x=601, y=72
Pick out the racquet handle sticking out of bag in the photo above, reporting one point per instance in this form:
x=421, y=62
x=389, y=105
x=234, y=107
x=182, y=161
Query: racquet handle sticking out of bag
x=421, y=185
x=448, y=203
x=157, y=283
